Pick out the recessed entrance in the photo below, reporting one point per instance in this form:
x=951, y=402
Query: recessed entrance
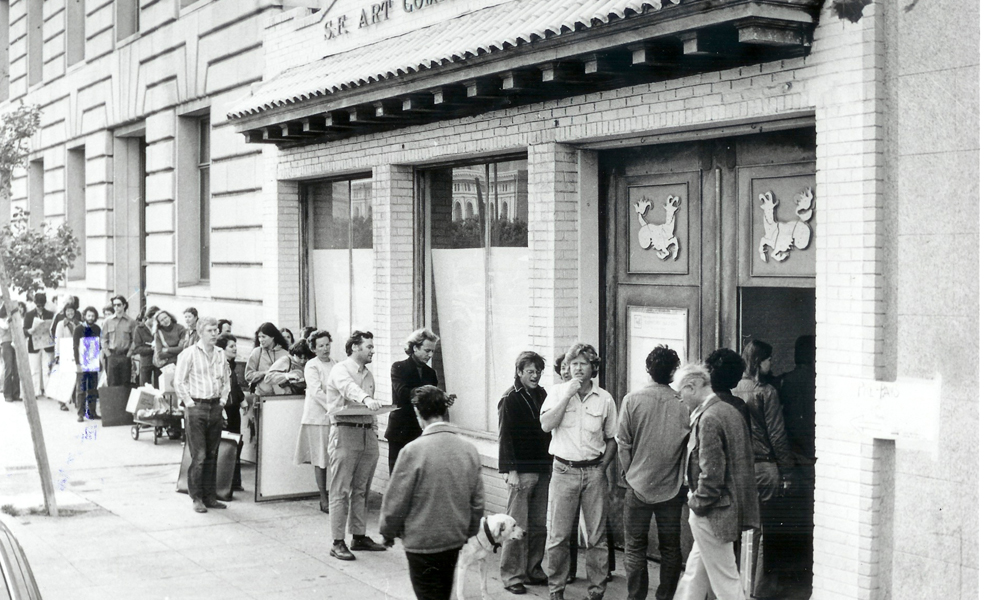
x=710, y=244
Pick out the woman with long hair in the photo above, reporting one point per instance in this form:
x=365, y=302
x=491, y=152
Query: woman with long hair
x=67, y=321
x=772, y=456
x=143, y=346
x=234, y=403
x=270, y=346
x=169, y=337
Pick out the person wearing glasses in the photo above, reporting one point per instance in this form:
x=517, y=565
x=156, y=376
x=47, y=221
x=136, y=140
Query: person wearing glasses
x=115, y=344
x=525, y=464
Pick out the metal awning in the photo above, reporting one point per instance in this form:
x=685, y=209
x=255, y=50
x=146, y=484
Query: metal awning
x=508, y=53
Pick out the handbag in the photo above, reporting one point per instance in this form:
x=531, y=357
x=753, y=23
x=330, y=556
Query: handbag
x=157, y=359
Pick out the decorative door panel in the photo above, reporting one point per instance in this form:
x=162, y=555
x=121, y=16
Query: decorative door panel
x=777, y=217
x=659, y=228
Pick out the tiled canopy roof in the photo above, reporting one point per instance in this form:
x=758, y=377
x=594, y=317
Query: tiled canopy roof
x=485, y=31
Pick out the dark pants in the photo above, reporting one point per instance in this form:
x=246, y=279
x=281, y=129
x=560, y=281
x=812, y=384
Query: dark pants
x=394, y=451
x=11, y=380
x=148, y=375
x=636, y=524
x=86, y=393
x=118, y=370
x=433, y=574
x=203, y=428
x=233, y=413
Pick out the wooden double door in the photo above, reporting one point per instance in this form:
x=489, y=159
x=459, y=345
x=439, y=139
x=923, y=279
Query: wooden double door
x=688, y=229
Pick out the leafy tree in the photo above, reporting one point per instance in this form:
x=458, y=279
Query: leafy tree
x=36, y=260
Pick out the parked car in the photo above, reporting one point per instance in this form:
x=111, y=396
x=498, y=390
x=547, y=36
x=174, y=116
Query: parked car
x=17, y=578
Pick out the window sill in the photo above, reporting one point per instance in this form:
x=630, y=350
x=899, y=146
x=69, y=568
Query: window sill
x=200, y=289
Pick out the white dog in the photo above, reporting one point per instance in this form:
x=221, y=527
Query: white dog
x=493, y=531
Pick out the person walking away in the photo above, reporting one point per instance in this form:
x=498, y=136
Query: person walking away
x=435, y=500
x=352, y=448
x=203, y=378
x=722, y=497
x=86, y=354
x=525, y=464
x=234, y=405
x=270, y=346
x=115, y=343
x=582, y=419
x=41, y=347
x=406, y=376
x=143, y=346
x=652, y=434
x=315, y=425
x=11, y=377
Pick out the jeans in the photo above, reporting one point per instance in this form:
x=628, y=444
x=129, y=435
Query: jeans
x=118, y=370
x=148, y=375
x=204, y=424
x=233, y=412
x=11, y=378
x=636, y=525
x=86, y=393
x=528, y=505
x=432, y=574
x=352, y=455
x=767, y=478
x=570, y=489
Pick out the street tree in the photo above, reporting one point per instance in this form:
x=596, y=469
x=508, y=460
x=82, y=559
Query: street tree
x=30, y=260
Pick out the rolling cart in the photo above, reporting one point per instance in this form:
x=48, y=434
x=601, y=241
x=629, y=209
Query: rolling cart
x=167, y=423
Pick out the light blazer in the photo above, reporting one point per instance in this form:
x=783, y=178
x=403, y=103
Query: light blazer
x=403, y=426
x=721, y=471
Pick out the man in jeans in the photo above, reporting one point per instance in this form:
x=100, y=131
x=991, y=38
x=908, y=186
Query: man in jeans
x=353, y=449
x=526, y=467
x=582, y=419
x=202, y=382
x=118, y=333
x=653, y=431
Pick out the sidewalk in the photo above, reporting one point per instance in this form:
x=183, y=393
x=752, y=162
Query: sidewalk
x=133, y=536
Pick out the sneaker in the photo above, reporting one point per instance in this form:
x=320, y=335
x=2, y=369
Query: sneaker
x=557, y=596
x=216, y=504
x=197, y=504
x=340, y=551
x=63, y=407
x=516, y=588
x=363, y=542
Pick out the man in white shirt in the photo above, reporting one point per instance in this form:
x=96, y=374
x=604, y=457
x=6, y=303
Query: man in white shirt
x=582, y=419
x=353, y=449
x=202, y=382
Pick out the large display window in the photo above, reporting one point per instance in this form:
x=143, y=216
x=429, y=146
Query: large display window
x=339, y=225
x=477, y=281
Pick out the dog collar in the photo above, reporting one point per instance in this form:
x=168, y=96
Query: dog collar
x=489, y=535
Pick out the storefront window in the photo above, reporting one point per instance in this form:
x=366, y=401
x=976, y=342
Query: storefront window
x=341, y=259
x=478, y=282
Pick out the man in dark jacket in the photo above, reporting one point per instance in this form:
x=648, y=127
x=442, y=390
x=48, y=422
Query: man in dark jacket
x=723, y=499
x=525, y=464
x=407, y=375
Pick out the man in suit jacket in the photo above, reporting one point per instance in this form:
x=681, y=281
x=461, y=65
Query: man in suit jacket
x=723, y=499
x=407, y=375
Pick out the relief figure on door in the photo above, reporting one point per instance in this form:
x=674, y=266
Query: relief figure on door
x=781, y=236
x=660, y=236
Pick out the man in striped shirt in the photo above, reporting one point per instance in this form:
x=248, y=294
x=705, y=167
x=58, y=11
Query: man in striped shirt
x=203, y=380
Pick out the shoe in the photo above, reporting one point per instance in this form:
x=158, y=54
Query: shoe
x=79, y=419
x=570, y=578
x=325, y=509
x=516, y=588
x=593, y=596
x=609, y=577
x=537, y=582
x=216, y=504
x=237, y=488
x=365, y=543
x=199, y=507
x=63, y=407
x=340, y=551
x=557, y=596
x=93, y=417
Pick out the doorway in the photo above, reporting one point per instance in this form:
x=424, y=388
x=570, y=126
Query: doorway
x=707, y=244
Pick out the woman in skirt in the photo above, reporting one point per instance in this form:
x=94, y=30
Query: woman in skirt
x=315, y=426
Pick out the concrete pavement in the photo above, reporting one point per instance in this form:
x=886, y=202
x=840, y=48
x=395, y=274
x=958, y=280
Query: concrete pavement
x=132, y=536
